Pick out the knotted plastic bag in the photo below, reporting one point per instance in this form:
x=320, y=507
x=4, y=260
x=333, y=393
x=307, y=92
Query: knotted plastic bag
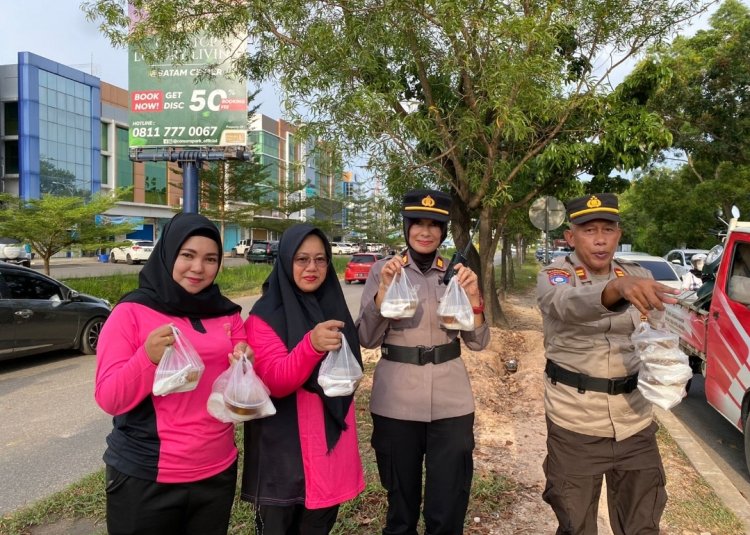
x=665, y=369
x=340, y=373
x=400, y=300
x=455, y=310
x=179, y=369
x=245, y=397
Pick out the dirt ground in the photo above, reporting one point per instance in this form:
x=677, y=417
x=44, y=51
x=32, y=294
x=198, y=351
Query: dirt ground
x=511, y=434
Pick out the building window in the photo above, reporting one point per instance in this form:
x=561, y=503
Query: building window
x=64, y=136
x=104, y=140
x=10, y=128
x=11, y=157
x=105, y=169
x=123, y=165
x=156, y=182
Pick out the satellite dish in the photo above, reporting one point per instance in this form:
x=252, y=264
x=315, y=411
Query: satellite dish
x=547, y=213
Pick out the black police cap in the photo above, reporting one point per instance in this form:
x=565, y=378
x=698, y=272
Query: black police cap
x=589, y=207
x=427, y=204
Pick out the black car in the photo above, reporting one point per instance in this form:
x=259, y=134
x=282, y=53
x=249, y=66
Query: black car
x=39, y=314
x=262, y=251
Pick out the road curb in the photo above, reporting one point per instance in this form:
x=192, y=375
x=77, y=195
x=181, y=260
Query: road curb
x=722, y=486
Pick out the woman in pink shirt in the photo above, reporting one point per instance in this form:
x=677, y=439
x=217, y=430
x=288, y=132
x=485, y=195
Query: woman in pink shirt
x=171, y=467
x=301, y=463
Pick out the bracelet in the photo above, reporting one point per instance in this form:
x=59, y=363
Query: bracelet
x=479, y=309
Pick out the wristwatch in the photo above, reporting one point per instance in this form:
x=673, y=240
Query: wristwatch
x=479, y=309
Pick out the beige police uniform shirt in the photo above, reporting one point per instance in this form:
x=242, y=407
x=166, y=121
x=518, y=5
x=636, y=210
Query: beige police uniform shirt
x=408, y=391
x=583, y=336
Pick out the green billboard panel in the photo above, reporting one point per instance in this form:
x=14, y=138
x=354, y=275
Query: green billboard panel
x=170, y=107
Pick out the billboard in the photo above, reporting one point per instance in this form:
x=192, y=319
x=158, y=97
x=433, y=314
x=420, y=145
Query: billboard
x=170, y=108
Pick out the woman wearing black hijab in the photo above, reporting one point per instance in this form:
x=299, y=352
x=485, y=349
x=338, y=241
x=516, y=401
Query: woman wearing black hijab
x=303, y=462
x=421, y=400
x=171, y=467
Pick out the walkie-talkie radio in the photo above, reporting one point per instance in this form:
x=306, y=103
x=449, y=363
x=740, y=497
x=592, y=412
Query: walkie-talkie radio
x=459, y=257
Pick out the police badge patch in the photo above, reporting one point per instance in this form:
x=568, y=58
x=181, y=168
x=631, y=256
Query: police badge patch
x=558, y=276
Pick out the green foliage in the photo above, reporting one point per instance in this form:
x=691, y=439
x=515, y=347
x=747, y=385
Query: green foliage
x=52, y=224
x=233, y=281
x=699, y=85
x=494, y=101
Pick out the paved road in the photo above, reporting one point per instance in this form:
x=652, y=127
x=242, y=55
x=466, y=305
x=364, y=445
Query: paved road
x=53, y=431
x=719, y=439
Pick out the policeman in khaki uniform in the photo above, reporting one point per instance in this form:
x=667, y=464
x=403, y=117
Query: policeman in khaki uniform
x=422, y=404
x=598, y=423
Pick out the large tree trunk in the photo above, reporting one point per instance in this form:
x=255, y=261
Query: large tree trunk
x=482, y=262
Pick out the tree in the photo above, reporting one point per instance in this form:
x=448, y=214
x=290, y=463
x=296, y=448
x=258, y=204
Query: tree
x=705, y=101
x=231, y=191
x=494, y=101
x=52, y=224
x=664, y=209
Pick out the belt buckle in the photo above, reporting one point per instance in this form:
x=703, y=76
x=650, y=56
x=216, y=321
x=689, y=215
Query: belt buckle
x=622, y=385
x=612, y=386
x=426, y=354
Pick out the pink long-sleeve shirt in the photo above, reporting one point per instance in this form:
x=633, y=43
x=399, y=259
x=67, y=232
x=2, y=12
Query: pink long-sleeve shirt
x=332, y=477
x=172, y=438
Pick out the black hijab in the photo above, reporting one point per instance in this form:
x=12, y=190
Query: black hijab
x=423, y=261
x=292, y=313
x=159, y=291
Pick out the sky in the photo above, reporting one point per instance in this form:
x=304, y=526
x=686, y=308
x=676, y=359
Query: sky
x=58, y=30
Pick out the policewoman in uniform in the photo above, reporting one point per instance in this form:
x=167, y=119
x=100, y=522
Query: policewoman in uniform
x=598, y=423
x=422, y=404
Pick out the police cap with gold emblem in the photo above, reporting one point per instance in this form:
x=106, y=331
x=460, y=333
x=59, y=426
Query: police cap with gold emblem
x=597, y=206
x=427, y=204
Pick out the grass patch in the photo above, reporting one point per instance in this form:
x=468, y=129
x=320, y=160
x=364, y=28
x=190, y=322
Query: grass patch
x=83, y=499
x=692, y=504
x=234, y=281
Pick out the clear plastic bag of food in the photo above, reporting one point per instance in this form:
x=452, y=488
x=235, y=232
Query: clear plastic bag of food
x=245, y=396
x=215, y=404
x=665, y=369
x=455, y=310
x=400, y=300
x=179, y=369
x=340, y=373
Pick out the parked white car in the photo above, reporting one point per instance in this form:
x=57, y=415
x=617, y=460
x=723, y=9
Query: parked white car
x=343, y=248
x=241, y=248
x=138, y=251
x=662, y=270
x=680, y=259
x=14, y=252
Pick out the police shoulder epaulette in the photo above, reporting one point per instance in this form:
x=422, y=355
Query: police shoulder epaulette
x=581, y=273
x=404, y=259
x=619, y=272
x=439, y=262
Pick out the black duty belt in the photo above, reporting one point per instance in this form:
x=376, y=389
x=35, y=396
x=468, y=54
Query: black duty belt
x=422, y=355
x=583, y=382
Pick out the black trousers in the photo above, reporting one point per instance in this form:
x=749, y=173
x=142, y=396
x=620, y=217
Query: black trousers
x=294, y=520
x=575, y=466
x=445, y=447
x=140, y=507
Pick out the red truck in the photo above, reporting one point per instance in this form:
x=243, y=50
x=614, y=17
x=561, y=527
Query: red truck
x=713, y=323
